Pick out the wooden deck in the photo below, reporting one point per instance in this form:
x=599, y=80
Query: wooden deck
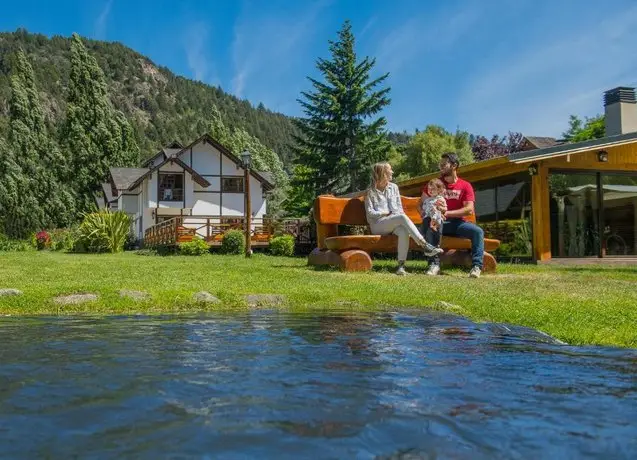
x=182, y=229
x=590, y=261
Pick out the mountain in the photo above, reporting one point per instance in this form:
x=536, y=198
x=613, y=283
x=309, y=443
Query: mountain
x=160, y=105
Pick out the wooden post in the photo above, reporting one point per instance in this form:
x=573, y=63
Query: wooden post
x=540, y=214
x=208, y=229
x=247, y=211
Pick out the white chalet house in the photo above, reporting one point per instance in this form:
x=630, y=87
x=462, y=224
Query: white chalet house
x=203, y=181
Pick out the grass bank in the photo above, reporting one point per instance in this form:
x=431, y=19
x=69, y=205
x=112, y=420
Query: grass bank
x=580, y=305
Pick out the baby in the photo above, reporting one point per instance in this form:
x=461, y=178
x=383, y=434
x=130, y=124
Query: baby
x=435, y=193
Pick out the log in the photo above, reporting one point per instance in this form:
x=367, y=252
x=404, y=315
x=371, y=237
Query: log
x=463, y=259
x=319, y=257
x=389, y=243
x=355, y=260
x=348, y=261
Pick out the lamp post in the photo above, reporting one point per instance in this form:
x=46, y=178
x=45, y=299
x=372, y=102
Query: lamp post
x=247, y=160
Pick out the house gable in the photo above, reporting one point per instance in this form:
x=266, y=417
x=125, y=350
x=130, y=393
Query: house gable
x=203, y=153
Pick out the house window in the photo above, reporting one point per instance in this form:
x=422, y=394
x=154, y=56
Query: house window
x=232, y=184
x=171, y=187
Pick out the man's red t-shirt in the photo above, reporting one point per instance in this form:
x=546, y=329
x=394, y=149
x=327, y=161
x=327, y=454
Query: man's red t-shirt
x=455, y=194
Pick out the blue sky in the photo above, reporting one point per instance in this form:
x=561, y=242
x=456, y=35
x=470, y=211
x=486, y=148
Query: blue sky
x=486, y=66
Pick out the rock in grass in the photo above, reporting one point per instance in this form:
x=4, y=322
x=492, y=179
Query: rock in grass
x=446, y=306
x=205, y=297
x=9, y=292
x=265, y=300
x=135, y=295
x=74, y=299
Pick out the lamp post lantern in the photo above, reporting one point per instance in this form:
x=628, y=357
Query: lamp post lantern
x=246, y=159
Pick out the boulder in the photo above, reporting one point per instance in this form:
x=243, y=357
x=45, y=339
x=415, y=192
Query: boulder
x=74, y=299
x=205, y=297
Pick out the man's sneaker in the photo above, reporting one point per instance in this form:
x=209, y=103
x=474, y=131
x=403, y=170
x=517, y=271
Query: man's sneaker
x=433, y=270
x=475, y=272
x=430, y=250
x=401, y=271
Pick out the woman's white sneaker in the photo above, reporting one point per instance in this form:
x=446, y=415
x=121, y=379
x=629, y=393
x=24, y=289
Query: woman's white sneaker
x=475, y=272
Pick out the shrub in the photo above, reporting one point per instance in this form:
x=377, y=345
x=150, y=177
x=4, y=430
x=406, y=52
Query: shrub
x=104, y=231
x=504, y=250
x=196, y=247
x=282, y=246
x=132, y=242
x=233, y=242
x=42, y=240
x=63, y=239
x=14, y=245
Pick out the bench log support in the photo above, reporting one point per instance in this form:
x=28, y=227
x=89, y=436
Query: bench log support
x=353, y=260
x=463, y=259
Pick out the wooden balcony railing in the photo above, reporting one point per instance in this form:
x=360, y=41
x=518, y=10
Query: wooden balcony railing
x=182, y=229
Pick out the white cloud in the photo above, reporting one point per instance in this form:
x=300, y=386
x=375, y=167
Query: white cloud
x=195, y=41
x=535, y=90
x=427, y=33
x=367, y=27
x=102, y=19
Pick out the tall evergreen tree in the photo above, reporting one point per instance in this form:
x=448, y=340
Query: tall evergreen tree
x=95, y=135
x=339, y=138
x=32, y=196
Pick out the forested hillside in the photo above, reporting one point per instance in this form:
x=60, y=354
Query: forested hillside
x=160, y=106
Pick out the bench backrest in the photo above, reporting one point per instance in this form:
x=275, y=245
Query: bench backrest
x=331, y=211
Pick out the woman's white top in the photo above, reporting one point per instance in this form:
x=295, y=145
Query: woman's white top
x=379, y=203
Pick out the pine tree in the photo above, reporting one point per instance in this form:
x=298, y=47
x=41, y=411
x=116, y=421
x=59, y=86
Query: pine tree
x=339, y=140
x=32, y=196
x=95, y=135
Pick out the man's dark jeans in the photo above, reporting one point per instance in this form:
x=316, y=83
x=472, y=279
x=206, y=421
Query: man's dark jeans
x=460, y=228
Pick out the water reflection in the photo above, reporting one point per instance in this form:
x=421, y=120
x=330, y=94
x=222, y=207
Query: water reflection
x=271, y=384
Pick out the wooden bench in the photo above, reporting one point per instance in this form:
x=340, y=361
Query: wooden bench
x=352, y=252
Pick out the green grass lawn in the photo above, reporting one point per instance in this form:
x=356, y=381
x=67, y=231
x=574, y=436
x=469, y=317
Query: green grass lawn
x=580, y=305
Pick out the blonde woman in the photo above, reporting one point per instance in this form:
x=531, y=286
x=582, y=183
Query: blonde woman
x=385, y=215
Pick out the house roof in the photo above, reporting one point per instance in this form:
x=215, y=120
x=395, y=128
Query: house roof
x=541, y=142
x=267, y=175
x=268, y=184
x=577, y=147
x=170, y=152
x=175, y=145
x=195, y=175
x=122, y=178
x=107, y=189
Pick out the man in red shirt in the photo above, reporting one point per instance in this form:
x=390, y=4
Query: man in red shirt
x=460, y=204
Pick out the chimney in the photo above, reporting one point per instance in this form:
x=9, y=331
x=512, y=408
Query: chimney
x=621, y=111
